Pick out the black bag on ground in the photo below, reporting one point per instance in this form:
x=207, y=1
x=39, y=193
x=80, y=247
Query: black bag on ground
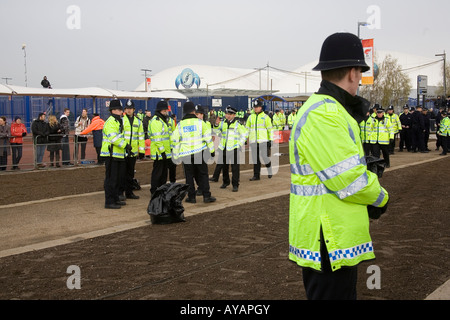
x=166, y=204
x=376, y=165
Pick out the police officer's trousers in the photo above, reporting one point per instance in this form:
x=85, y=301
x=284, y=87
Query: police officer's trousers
x=127, y=184
x=260, y=151
x=196, y=168
x=114, y=176
x=159, y=173
x=329, y=285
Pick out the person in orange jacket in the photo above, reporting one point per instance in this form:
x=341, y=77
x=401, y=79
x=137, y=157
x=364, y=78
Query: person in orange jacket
x=18, y=131
x=96, y=127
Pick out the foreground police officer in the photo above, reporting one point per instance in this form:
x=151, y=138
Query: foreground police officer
x=332, y=192
x=134, y=135
x=114, y=149
x=191, y=138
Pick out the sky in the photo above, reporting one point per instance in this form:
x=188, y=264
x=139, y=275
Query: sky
x=80, y=43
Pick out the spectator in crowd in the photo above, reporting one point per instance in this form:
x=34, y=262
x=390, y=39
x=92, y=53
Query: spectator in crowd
x=18, y=131
x=81, y=123
x=96, y=127
x=40, y=131
x=5, y=134
x=54, y=140
x=65, y=130
x=45, y=83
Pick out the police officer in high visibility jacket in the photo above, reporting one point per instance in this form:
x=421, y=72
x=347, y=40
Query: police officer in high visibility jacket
x=365, y=127
x=135, y=136
x=191, y=138
x=291, y=118
x=332, y=191
x=159, y=131
x=395, y=127
x=380, y=135
x=444, y=132
x=114, y=150
x=260, y=136
x=233, y=137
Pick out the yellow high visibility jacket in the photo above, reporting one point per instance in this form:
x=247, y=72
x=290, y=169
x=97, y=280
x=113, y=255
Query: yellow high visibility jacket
x=259, y=128
x=192, y=135
x=159, y=134
x=444, y=128
x=113, y=143
x=394, y=124
x=365, y=127
x=380, y=131
x=330, y=187
x=232, y=135
x=134, y=134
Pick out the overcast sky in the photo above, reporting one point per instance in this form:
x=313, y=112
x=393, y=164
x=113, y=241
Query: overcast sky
x=80, y=43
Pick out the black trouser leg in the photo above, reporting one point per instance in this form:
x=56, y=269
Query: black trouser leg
x=235, y=168
x=444, y=142
x=172, y=171
x=328, y=285
x=130, y=164
x=385, y=150
x=254, y=152
x=114, y=172
x=225, y=168
x=159, y=174
x=202, y=178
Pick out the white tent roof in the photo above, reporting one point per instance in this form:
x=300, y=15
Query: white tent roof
x=93, y=92
x=283, y=82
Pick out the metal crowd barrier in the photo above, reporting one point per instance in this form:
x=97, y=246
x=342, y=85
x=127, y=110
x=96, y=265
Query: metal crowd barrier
x=70, y=147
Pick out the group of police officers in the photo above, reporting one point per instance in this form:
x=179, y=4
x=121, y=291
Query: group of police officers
x=380, y=129
x=189, y=142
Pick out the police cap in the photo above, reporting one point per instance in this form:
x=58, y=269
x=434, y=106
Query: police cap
x=341, y=50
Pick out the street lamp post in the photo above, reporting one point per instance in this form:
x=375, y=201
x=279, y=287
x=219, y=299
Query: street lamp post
x=361, y=24
x=25, y=59
x=146, y=85
x=444, y=57
x=145, y=75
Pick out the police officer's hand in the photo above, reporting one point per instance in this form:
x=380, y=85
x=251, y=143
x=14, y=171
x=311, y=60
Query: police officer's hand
x=213, y=154
x=375, y=212
x=24, y=134
x=128, y=148
x=164, y=156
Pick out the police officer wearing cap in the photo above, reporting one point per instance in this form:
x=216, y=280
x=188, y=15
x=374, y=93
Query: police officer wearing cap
x=395, y=127
x=405, y=133
x=134, y=135
x=444, y=132
x=233, y=137
x=260, y=137
x=190, y=140
x=159, y=133
x=333, y=194
x=418, y=131
x=114, y=150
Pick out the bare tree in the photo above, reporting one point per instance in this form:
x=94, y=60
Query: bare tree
x=391, y=86
x=440, y=87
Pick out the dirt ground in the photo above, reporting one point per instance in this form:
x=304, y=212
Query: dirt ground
x=240, y=253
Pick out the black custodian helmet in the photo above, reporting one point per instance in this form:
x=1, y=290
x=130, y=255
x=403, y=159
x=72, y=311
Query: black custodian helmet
x=341, y=50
